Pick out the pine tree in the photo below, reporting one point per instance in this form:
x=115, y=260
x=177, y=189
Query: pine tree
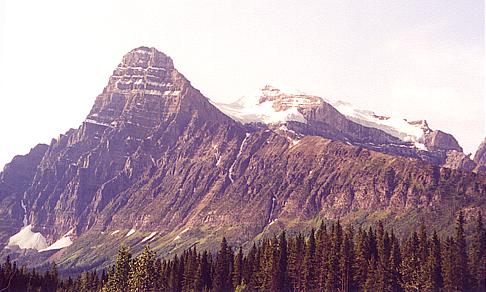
x=361, y=259
x=370, y=283
x=205, y=273
x=142, y=273
x=395, y=264
x=296, y=257
x=322, y=255
x=346, y=262
x=282, y=274
x=249, y=267
x=478, y=255
x=411, y=266
x=190, y=268
x=434, y=281
x=238, y=268
x=122, y=269
x=175, y=281
x=222, y=279
x=309, y=265
x=461, y=271
x=333, y=278
x=448, y=262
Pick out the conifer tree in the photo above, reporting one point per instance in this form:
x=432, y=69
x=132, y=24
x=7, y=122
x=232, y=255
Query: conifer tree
x=346, y=262
x=222, y=279
x=309, y=264
x=122, y=269
x=174, y=275
x=434, y=281
x=448, y=262
x=142, y=273
x=395, y=264
x=190, y=267
x=411, y=265
x=296, y=258
x=249, y=266
x=238, y=268
x=362, y=259
x=478, y=255
x=282, y=274
x=461, y=271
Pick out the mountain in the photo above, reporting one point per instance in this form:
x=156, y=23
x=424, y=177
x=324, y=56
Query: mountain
x=342, y=121
x=156, y=162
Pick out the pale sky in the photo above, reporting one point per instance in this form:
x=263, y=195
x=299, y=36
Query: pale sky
x=416, y=59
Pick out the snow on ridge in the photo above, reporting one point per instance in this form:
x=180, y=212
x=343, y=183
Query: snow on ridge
x=27, y=239
x=259, y=108
x=400, y=128
x=249, y=109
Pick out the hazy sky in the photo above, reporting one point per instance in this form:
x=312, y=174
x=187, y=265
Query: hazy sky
x=417, y=59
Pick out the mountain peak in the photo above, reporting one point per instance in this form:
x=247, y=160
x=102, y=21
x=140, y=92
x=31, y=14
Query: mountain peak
x=145, y=57
x=143, y=89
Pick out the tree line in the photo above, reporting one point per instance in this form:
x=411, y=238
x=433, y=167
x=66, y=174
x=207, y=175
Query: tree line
x=331, y=258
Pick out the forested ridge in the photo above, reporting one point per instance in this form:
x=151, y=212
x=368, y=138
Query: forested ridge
x=331, y=258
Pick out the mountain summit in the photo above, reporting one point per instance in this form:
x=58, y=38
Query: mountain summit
x=156, y=162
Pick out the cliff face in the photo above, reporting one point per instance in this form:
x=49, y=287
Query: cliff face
x=155, y=156
x=480, y=156
x=15, y=179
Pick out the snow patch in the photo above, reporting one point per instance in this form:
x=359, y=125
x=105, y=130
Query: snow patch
x=274, y=200
x=114, y=232
x=26, y=239
x=132, y=231
x=62, y=242
x=148, y=238
x=25, y=212
x=219, y=161
x=91, y=121
x=230, y=172
x=273, y=221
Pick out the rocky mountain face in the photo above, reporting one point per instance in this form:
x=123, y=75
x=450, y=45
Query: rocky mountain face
x=480, y=156
x=15, y=179
x=156, y=162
